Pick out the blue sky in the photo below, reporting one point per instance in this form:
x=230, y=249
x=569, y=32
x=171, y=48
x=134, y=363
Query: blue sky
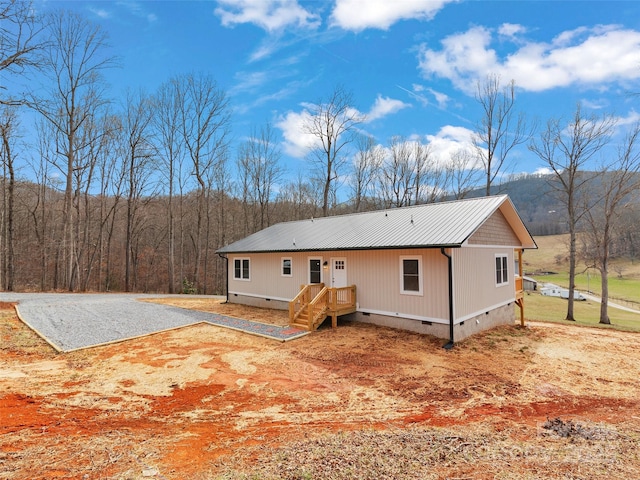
x=412, y=65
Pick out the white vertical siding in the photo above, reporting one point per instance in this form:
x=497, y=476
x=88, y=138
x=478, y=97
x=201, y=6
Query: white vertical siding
x=266, y=278
x=375, y=273
x=475, y=280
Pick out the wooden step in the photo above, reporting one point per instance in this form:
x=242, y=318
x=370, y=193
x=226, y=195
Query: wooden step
x=301, y=326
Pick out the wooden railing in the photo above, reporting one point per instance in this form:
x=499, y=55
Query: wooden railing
x=300, y=302
x=519, y=286
x=343, y=298
x=318, y=308
x=315, y=302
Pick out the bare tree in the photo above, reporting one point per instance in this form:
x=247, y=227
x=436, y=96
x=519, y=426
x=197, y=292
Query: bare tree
x=42, y=211
x=205, y=117
x=407, y=175
x=566, y=149
x=616, y=183
x=396, y=179
x=500, y=129
x=462, y=174
x=297, y=200
x=171, y=144
x=20, y=42
x=366, y=163
x=90, y=146
x=73, y=63
x=138, y=155
x=220, y=183
x=332, y=122
x=430, y=178
x=259, y=169
x=8, y=135
x=112, y=175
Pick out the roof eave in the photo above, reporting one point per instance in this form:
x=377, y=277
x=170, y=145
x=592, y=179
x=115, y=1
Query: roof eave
x=344, y=249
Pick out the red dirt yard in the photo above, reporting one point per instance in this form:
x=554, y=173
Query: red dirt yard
x=361, y=401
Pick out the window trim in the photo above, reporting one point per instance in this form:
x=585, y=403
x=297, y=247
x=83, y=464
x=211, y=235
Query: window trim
x=282, y=260
x=242, y=278
x=504, y=270
x=420, y=291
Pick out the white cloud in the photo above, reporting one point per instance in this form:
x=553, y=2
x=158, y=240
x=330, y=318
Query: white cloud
x=358, y=15
x=587, y=57
x=270, y=15
x=139, y=10
x=594, y=104
x=100, y=12
x=441, y=98
x=416, y=93
x=419, y=93
x=443, y=146
x=249, y=81
x=448, y=141
x=543, y=171
x=632, y=118
x=297, y=143
x=384, y=106
x=511, y=30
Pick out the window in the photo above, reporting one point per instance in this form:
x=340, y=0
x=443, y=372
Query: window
x=315, y=270
x=502, y=271
x=241, y=268
x=411, y=275
x=286, y=267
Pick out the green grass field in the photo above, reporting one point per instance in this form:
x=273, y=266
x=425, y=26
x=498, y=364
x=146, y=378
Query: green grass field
x=624, y=287
x=554, y=309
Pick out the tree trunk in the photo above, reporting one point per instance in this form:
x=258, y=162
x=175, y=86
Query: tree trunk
x=604, y=273
x=572, y=272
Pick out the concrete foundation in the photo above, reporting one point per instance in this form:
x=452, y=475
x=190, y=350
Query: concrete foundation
x=258, y=302
x=504, y=315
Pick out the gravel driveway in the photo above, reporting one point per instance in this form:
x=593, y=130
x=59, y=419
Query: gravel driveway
x=71, y=321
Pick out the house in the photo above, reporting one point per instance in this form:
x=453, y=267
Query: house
x=551, y=290
x=442, y=269
x=530, y=284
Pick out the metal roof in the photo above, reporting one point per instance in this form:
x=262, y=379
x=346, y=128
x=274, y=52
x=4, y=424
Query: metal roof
x=446, y=224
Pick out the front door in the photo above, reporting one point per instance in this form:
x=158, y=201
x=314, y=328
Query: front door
x=315, y=270
x=338, y=272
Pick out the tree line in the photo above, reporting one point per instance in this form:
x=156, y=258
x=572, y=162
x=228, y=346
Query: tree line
x=138, y=195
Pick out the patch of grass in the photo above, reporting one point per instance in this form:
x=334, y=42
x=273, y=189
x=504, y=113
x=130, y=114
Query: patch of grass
x=554, y=309
x=552, y=256
x=17, y=338
x=626, y=289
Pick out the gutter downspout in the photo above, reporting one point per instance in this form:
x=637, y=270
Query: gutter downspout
x=226, y=276
x=449, y=345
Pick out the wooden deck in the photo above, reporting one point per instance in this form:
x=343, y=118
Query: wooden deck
x=316, y=302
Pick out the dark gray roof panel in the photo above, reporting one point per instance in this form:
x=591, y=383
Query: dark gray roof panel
x=431, y=225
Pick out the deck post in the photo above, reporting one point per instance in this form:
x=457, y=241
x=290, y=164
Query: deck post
x=520, y=301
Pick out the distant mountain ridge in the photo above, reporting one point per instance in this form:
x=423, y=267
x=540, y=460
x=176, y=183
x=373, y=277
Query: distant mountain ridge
x=533, y=197
x=537, y=202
